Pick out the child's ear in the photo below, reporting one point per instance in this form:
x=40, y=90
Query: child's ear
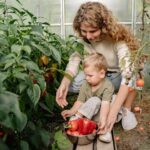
x=102, y=73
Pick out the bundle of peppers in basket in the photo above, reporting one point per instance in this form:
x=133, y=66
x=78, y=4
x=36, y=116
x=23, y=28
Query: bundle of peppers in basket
x=81, y=126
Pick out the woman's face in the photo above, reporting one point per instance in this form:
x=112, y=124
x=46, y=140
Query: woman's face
x=90, y=33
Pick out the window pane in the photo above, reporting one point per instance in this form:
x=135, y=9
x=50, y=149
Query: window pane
x=69, y=30
x=121, y=9
x=47, y=10
x=50, y=9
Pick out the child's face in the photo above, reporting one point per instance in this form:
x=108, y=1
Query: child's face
x=93, y=76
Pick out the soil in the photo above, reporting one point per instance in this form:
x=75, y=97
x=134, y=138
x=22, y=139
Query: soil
x=138, y=138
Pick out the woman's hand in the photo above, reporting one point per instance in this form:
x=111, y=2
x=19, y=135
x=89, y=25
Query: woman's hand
x=111, y=121
x=116, y=105
x=62, y=93
x=102, y=127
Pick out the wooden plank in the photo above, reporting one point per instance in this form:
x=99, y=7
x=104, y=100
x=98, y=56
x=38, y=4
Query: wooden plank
x=85, y=147
x=99, y=145
x=104, y=146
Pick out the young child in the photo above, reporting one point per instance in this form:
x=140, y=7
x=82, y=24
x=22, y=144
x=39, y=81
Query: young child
x=95, y=95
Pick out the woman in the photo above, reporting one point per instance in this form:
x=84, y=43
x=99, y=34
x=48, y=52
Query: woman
x=99, y=31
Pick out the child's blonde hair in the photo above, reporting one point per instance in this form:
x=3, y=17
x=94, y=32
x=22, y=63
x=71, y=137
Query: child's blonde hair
x=95, y=60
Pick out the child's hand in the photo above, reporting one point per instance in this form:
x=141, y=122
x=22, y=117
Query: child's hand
x=66, y=113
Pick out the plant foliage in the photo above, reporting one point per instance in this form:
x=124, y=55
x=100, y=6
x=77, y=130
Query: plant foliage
x=31, y=66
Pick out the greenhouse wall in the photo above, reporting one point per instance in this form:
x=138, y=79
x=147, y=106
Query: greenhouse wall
x=60, y=13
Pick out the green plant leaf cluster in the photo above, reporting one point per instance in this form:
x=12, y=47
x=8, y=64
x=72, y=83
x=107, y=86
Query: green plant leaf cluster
x=32, y=61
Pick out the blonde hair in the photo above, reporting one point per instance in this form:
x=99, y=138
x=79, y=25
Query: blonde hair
x=97, y=15
x=96, y=60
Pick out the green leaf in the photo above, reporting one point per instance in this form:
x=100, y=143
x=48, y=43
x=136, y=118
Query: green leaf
x=3, y=76
x=22, y=86
x=43, y=106
x=8, y=60
x=24, y=145
x=9, y=63
x=16, y=49
x=59, y=39
x=62, y=141
x=29, y=13
x=19, y=2
x=30, y=65
x=8, y=57
x=3, y=41
x=10, y=114
x=3, y=146
x=40, y=138
x=27, y=49
x=55, y=53
x=13, y=29
x=20, y=75
x=37, y=30
x=45, y=137
x=18, y=70
x=41, y=49
x=41, y=81
x=14, y=10
x=2, y=5
x=50, y=101
x=34, y=93
x=3, y=27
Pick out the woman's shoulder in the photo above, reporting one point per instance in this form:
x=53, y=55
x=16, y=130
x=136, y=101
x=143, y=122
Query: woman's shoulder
x=120, y=44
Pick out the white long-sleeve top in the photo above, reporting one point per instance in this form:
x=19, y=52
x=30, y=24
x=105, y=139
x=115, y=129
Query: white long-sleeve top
x=116, y=53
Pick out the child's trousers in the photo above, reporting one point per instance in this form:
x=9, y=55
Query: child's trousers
x=91, y=107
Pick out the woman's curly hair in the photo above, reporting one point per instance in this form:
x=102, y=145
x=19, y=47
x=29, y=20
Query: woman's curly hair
x=97, y=15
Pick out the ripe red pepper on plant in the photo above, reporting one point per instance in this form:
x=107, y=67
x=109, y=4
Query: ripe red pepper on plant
x=2, y=134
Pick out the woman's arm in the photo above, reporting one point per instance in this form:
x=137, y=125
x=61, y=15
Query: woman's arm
x=62, y=92
x=104, y=110
x=115, y=107
x=71, y=71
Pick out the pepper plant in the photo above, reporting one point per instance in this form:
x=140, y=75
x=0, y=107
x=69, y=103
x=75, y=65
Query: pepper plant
x=31, y=66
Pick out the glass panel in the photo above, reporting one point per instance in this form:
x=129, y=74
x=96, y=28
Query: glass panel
x=46, y=10
x=69, y=30
x=50, y=10
x=139, y=6
x=25, y=4
x=121, y=9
